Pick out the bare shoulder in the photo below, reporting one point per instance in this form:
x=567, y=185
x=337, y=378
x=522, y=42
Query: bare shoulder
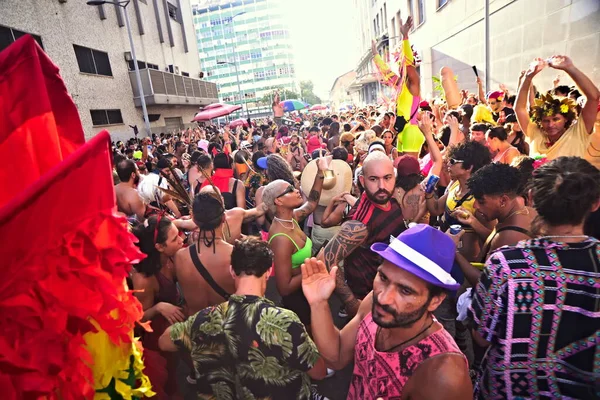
x=445, y=376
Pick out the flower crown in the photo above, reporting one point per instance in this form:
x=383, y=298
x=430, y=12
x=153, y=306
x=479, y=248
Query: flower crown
x=548, y=105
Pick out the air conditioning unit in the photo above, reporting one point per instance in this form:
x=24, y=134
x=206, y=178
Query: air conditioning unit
x=173, y=69
x=201, y=75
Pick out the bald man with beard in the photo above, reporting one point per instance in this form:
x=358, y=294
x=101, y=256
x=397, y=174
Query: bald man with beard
x=373, y=218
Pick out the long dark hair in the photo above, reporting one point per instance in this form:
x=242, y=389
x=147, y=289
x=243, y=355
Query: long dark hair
x=148, y=236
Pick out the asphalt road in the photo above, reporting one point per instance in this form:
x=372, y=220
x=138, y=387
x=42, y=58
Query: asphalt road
x=334, y=388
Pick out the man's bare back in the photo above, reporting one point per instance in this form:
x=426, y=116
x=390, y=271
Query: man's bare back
x=197, y=292
x=129, y=201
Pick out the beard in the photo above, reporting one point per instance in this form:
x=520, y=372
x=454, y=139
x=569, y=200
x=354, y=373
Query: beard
x=373, y=196
x=401, y=320
x=136, y=180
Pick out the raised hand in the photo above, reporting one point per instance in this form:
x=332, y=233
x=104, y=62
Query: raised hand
x=425, y=124
x=560, y=62
x=317, y=283
x=452, y=122
x=535, y=67
x=406, y=27
x=323, y=163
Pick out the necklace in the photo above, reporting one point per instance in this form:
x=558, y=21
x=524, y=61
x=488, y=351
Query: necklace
x=523, y=211
x=406, y=341
x=288, y=221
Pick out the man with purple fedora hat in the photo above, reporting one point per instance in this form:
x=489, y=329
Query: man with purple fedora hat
x=399, y=348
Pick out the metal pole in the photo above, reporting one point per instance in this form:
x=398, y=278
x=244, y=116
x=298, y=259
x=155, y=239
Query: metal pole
x=137, y=73
x=487, y=45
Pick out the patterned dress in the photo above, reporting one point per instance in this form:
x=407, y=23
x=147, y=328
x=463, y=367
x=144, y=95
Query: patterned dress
x=538, y=304
x=248, y=348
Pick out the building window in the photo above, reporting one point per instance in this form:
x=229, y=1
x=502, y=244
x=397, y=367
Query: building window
x=9, y=35
x=442, y=3
x=106, y=117
x=411, y=9
x=144, y=1
x=92, y=61
x=173, y=12
x=421, y=16
x=185, y=73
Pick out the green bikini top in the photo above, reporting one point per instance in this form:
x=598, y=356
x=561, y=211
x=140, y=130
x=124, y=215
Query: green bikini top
x=301, y=254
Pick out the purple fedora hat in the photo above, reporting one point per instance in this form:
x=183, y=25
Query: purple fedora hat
x=423, y=251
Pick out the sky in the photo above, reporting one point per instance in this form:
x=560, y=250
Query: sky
x=324, y=40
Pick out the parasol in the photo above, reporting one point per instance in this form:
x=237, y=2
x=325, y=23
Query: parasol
x=293, y=105
x=318, y=107
x=238, y=122
x=215, y=110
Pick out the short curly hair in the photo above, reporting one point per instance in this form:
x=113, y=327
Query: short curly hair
x=473, y=154
x=494, y=179
x=251, y=256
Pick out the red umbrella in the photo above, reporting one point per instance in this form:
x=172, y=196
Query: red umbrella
x=238, y=122
x=318, y=107
x=215, y=110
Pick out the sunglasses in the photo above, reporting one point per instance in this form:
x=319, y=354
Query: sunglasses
x=453, y=161
x=289, y=189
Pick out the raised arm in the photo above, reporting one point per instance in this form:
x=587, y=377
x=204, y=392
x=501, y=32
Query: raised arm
x=349, y=238
x=315, y=192
x=414, y=82
x=522, y=96
x=335, y=346
x=480, y=91
x=426, y=127
x=587, y=87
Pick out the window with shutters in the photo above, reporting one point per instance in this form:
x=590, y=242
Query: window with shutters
x=9, y=35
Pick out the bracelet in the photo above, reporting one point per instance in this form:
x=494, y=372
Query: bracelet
x=428, y=198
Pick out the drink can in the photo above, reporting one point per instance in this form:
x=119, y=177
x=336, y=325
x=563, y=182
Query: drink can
x=455, y=229
x=431, y=183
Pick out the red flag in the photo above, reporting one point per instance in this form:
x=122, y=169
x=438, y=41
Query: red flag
x=40, y=124
x=65, y=254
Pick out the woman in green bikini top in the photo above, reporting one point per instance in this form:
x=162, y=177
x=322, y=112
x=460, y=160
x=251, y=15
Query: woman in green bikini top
x=289, y=243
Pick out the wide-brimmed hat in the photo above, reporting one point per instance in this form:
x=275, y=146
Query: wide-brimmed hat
x=338, y=179
x=423, y=251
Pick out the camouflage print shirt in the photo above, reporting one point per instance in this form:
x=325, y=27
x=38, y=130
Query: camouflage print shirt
x=247, y=348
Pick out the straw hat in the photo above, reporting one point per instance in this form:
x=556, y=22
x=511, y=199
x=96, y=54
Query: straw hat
x=337, y=180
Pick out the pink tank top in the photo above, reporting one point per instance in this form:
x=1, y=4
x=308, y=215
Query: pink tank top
x=383, y=375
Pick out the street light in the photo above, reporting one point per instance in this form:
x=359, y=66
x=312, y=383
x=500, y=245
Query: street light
x=138, y=78
x=237, y=75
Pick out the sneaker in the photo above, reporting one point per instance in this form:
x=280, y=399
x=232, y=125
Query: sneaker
x=314, y=394
x=330, y=373
x=342, y=312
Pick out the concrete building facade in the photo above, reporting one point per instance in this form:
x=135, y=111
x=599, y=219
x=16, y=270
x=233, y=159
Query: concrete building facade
x=340, y=93
x=452, y=33
x=245, y=48
x=91, y=47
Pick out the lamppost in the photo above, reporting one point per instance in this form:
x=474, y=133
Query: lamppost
x=235, y=63
x=138, y=78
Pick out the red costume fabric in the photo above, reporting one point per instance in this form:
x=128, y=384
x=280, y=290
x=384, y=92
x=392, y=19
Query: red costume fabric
x=66, y=315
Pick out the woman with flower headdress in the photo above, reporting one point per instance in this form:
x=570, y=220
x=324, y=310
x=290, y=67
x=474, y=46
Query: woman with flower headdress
x=407, y=83
x=554, y=131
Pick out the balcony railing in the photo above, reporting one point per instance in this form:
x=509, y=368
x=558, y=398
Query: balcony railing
x=164, y=88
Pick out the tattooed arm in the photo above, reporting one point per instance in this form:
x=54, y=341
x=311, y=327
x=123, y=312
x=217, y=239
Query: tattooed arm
x=315, y=193
x=350, y=237
x=412, y=203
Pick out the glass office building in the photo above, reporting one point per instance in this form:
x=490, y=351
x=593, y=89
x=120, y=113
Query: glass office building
x=245, y=40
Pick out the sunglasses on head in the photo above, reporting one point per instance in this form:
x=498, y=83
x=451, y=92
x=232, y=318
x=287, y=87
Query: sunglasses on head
x=453, y=161
x=289, y=189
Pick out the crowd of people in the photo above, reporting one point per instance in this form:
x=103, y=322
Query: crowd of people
x=465, y=259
